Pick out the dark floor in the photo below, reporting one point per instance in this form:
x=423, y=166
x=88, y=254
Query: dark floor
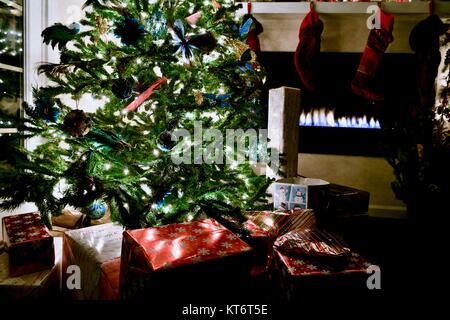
x=411, y=256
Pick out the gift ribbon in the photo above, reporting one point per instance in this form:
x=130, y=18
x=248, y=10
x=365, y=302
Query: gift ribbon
x=145, y=95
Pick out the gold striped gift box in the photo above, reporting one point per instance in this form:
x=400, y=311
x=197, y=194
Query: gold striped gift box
x=278, y=223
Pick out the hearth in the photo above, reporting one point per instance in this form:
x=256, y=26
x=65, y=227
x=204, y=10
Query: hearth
x=334, y=120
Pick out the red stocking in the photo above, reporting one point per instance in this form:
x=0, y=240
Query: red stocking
x=252, y=36
x=379, y=40
x=308, y=49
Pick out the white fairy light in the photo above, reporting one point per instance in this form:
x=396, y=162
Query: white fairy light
x=138, y=61
x=126, y=171
x=64, y=145
x=107, y=166
x=154, y=206
x=189, y=115
x=156, y=153
x=157, y=71
x=84, y=158
x=147, y=189
x=146, y=133
x=221, y=40
x=234, y=165
x=60, y=188
x=158, y=43
x=190, y=217
x=126, y=206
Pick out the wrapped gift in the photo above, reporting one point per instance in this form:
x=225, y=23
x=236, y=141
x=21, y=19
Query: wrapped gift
x=261, y=241
x=96, y=250
x=280, y=222
x=196, y=259
x=300, y=192
x=43, y=284
x=347, y=200
x=29, y=244
x=298, y=276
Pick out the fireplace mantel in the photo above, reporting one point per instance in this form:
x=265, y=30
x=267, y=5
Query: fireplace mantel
x=413, y=7
x=345, y=27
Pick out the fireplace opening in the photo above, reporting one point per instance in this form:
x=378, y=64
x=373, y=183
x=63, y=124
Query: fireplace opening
x=334, y=120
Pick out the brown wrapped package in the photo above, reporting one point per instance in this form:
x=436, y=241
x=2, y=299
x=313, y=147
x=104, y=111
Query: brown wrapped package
x=43, y=284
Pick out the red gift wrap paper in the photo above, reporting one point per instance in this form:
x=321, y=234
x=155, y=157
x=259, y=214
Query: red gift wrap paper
x=29, y=244
x=149, y=256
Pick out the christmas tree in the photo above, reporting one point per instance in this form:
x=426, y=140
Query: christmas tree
x=155, y=68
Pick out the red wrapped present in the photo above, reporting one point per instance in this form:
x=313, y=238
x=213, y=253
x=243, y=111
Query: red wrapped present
x=200, y=258
x=29, y=244
x=299, y=276
x=261, y=241
x=278, y=223
x=96, y=251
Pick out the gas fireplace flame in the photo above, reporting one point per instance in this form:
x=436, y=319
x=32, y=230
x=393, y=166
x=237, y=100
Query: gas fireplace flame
x=325, y=118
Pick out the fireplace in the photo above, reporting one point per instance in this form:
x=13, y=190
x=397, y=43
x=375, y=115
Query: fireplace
x=334, y=120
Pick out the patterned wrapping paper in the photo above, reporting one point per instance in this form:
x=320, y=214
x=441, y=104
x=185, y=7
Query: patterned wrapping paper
x=300, y=276
x=43, y=284
x=96, y=250
x=303, y=266
x=29, y=244
x=312, y=243
x=200, y=253
x=278, y=223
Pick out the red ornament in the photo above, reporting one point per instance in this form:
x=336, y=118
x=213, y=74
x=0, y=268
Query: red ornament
x=145, y=95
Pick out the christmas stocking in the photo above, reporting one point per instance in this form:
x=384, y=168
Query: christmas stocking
x=308, y=49
x=424, y=41
x=252, y=36
x=379, y=40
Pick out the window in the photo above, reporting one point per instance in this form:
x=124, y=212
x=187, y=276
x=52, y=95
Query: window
x=11, y=61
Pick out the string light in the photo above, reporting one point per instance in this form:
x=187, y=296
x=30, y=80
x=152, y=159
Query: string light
x=126, y=171
x=107, y=166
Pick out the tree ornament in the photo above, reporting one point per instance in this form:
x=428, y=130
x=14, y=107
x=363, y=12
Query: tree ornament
x=122, y=88
x=91, y=184
x=186, y=45
x=46, y=108
x=129, y=30
x=157, y=24
x=96, y=210
x=165, y=142
x=77, y=123
x=102, y=25
x=145, y=95
x=59, y=34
